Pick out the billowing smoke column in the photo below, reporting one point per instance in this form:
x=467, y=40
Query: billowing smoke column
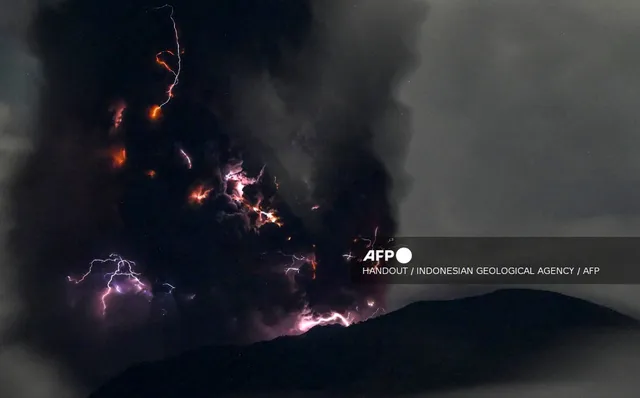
x=204, y=168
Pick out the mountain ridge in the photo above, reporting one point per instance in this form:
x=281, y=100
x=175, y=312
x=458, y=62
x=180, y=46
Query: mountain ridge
x=425, y=345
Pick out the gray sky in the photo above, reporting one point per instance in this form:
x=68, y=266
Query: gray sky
x=526, y=117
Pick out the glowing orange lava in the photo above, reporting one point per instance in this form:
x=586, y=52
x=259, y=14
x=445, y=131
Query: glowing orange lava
x=314, y=266
x=118, y=157
x=155, y=112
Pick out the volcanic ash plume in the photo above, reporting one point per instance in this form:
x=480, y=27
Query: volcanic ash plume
x=202, y=172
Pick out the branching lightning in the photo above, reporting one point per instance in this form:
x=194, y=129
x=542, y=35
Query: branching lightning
x=236, y=180
x=170, y=286
x=371, y=242
x=298, y=261
x=199, y=194
x=156, y=110
x=308, y=320
x=123, y=279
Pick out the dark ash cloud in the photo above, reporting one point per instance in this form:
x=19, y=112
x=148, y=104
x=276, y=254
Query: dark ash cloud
x=328, y=74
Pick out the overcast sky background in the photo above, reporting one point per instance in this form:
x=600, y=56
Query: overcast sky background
x=526, y=121
x=526, y=117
